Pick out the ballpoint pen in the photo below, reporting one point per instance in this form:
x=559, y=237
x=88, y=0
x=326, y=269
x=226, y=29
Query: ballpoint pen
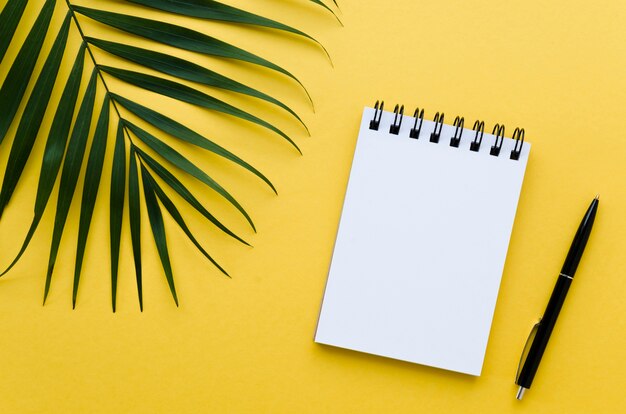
x=543, y=328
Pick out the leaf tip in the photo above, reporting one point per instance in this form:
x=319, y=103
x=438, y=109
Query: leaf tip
x=327, y=54
x=338, y=19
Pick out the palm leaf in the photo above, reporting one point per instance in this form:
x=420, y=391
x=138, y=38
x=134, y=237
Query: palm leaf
x=9, y=19
x=32, y=116
x=181, y=37
x=186, y=94
x=213, y=10
x=183, y=69
x=158, y=231
x=66, y=145
x=116, y=206
x=187, y=166
x=55, y=148
x=135, y=223
x=171, y=208
x=17, y=79
x=321, y=3
x=177, y=186
x=90, y=190
x=183, y=133
x=70, y=173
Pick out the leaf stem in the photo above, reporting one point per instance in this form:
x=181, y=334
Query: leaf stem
x=97, y=67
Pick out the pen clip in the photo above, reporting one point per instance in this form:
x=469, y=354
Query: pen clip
x=522, y=357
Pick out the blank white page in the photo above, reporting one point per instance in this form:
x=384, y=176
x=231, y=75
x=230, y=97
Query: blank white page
x=421, y=246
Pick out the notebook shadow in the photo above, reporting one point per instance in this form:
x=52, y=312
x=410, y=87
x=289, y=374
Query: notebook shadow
x=375, y=361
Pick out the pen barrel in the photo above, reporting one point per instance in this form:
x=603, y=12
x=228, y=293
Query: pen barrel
x=577, y=248
x=544, y=330
x=547, y=322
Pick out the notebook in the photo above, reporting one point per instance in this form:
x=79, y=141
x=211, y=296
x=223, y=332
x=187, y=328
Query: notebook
x=422, y=239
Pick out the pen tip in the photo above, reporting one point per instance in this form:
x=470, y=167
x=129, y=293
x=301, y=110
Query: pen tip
x=598, y=197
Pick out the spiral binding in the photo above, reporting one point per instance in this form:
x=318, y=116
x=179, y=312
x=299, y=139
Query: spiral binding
x=518, y=136
x=498, y=131
x=438, y=120
x=375, y=123
x=479, y=127
x=415, y=131
x=397, y=120
x=455, y=140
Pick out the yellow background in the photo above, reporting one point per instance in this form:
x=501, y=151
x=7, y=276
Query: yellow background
x=244, y=345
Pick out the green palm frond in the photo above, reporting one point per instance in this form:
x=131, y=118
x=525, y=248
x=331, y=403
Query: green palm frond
x=143, y=164
x=212, y=10
x=10, y=18
x=180, y=37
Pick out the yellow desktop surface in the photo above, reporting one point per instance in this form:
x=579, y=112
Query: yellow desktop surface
x=245, y=345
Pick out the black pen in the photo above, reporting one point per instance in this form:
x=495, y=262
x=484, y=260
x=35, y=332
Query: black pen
x=543, y=328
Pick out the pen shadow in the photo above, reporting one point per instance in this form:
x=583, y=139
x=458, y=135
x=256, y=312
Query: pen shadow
x=375, y=361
